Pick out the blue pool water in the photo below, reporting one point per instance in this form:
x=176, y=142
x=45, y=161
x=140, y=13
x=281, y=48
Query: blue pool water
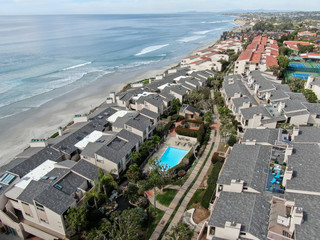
x=172, y=156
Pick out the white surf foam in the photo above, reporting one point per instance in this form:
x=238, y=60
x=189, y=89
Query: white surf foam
x=190, y=39
x=203, y=32
x=76, y=66
x=150, y=49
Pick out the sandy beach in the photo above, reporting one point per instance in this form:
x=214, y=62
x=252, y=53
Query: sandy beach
x=44, y=121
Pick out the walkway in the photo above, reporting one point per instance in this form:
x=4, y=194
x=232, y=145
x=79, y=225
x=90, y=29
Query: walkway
x=177, y=217
x=183, y=189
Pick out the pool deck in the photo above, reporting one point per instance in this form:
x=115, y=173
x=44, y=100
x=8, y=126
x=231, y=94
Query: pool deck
x=170, y=142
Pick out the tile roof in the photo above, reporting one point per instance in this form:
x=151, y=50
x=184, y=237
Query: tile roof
x=271, y=61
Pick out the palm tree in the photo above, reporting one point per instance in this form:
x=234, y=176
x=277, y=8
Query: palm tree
x=107, y=183
x=95, y=195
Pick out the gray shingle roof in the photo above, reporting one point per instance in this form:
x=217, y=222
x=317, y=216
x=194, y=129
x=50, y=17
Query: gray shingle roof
x=308, y=135
x=116, y=149
x=71, y=182
x=72, y=137
x=264, y=83
x=248, y=209
x=309, y=228
x=31, y=163
x=248, y=163
x=55, y=200
x=153, y=99
x=313, y=108
x=186, y=107
x=306, y=167
x=86, y=169
x=178, y=89
x=262, y=135
x=149, y=114
x=237, y=86
x=248, y=113
x=139, y=122
x=33, y=189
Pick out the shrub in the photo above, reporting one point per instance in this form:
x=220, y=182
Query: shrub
x=212, y=180
x=232, y=140
x=216, y=158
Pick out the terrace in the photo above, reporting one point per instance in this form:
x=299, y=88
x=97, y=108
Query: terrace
x=276, y=171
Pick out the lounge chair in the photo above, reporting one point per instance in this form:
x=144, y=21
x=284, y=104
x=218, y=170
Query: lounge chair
x=184, y=144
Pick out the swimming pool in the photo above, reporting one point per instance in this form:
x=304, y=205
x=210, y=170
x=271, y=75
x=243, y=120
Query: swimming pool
x=172, y=156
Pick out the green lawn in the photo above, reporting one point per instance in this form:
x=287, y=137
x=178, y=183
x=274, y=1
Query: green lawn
x=196, y=198
x=153, y=221
x=166, y=198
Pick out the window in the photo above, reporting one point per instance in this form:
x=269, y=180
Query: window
x=285, y=233
x=99, y=161
x=318, y=116
x=28, y=214
x=42, y=220
x=247, y=122
x=212, y=230
x=40, y=207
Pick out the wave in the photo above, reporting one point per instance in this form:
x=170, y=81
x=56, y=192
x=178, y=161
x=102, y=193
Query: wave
x=190, y=39
x=203, y=32
x=151, y=49
x=12, y=114
x=76, y=66
x=221, y=21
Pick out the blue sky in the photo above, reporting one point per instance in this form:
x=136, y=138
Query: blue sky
x=146, y=6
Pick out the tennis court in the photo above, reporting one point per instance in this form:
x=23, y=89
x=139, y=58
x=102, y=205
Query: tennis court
x=302, y=76
x=297, y=65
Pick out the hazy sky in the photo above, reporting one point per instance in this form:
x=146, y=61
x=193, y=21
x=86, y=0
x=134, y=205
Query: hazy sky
x=147, y=6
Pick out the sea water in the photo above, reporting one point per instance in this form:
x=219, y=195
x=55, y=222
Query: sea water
x=46, y=57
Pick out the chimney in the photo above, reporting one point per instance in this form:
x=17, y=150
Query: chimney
x=297, y=215
x=295, y=132
x=268, y=95
x=281, y=106
x=113, y=96
x=60, y=131
x=256, y=88
x=287, y=176
x=309, y=81
x=289, y=151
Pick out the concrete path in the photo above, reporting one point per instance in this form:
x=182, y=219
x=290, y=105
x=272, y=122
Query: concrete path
x=177, y=217
x=183, y=189
x=179, y=214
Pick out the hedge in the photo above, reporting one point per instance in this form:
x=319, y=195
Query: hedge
x=212, y=182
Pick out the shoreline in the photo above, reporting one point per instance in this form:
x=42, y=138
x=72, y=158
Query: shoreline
x=44, y=121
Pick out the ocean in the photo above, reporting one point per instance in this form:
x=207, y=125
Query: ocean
x=46, y=57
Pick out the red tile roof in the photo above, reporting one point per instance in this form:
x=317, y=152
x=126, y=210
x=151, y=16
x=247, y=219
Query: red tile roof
x=296, y=43
x=271, y=61
x=245, y=55
x=274, y=46
x=256, y=56
x=306, y=33
x=191, y=57
x=274, y=53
